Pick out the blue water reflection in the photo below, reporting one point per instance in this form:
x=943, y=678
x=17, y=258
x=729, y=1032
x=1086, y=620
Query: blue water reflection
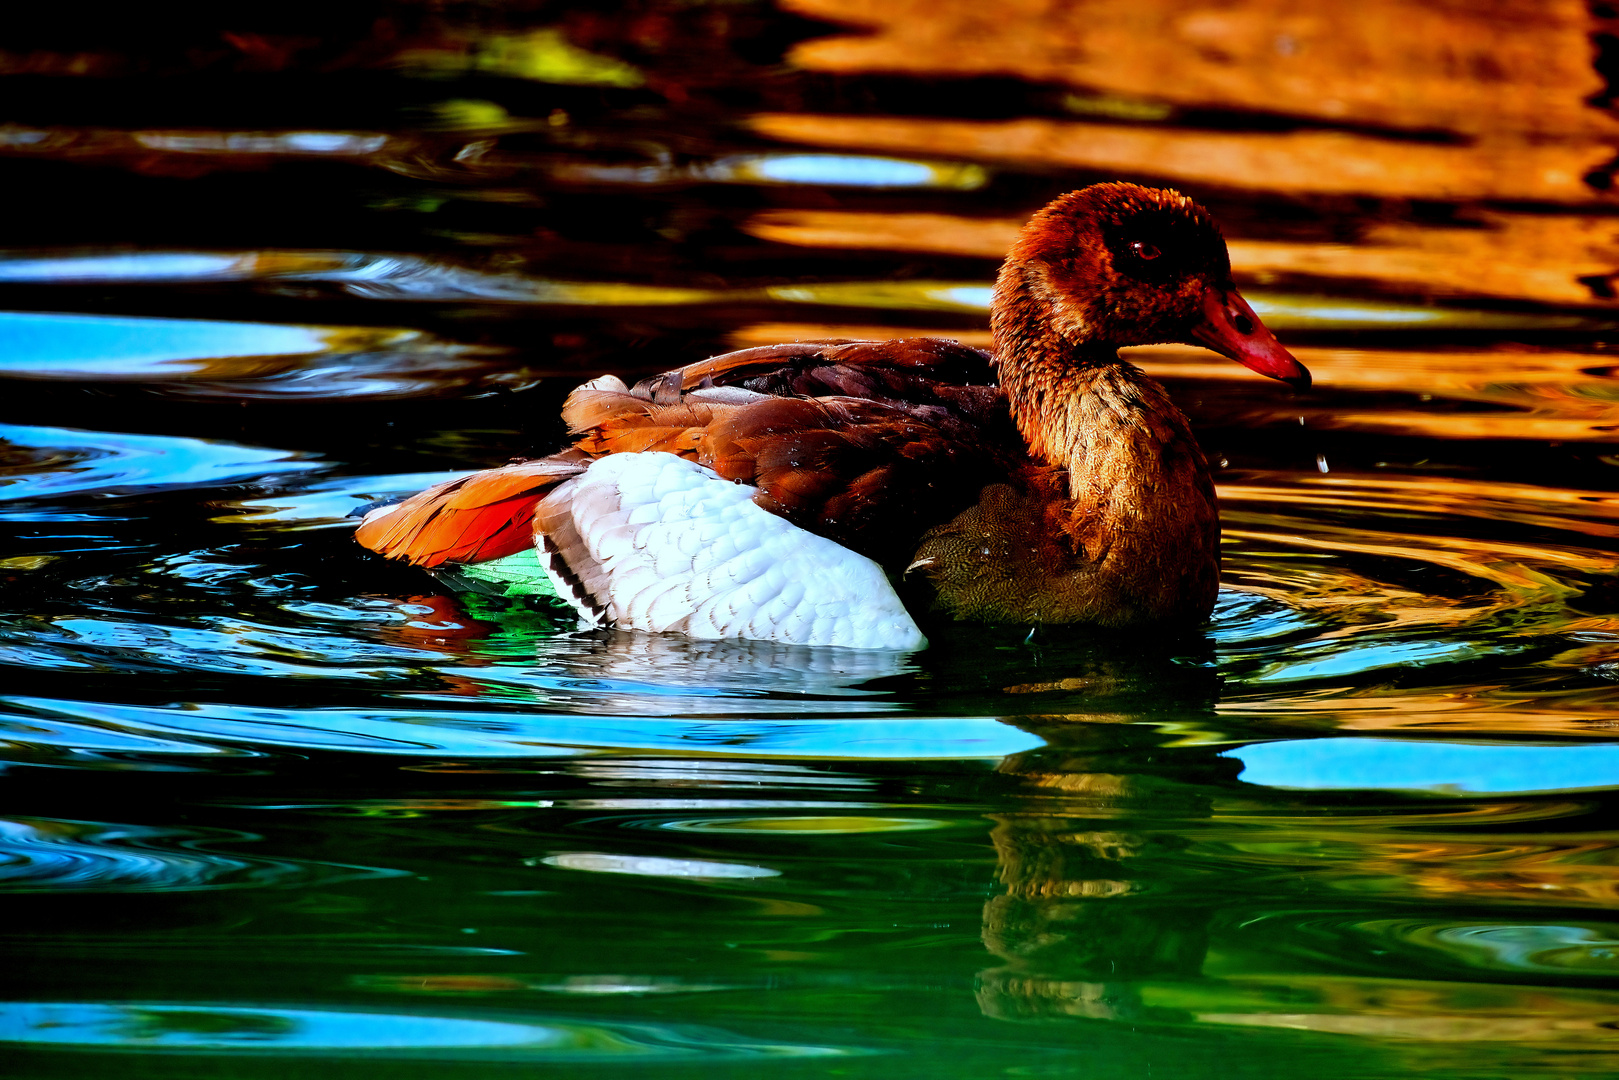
x=211, y=1028
x=1440, y=767
x=147, y=266
x=70, y=462
x=76, y=346
x=846, y=170
x=438, y=731
x=234, y=360
x=340, y=144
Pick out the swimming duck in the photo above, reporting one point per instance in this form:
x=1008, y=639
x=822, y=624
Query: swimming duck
x=779, y=493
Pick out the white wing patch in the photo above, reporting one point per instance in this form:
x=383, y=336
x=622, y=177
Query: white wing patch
x=654, y=542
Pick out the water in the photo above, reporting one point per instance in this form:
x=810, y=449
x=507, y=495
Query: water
x=272, y=807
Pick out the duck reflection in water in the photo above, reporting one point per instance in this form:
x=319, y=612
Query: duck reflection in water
x=1073, y=927
x=501, y=647
x=1076, y=927
x=504, y=648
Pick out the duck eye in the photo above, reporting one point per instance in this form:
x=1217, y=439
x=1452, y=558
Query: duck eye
x=1145, y=251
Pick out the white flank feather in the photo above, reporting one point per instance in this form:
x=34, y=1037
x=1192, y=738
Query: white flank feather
x=727, y=395
x=655, y=542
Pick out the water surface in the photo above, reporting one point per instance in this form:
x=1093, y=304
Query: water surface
x=271, y=806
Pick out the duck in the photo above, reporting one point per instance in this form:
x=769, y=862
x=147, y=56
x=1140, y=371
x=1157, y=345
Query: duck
x=793, y=493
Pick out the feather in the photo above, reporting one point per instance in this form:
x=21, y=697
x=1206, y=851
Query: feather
x=487, y=515
x=612, y=533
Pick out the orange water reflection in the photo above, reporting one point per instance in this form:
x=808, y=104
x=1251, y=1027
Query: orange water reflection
x=1510, y=84
x=1517, y=67
x=1306, y=163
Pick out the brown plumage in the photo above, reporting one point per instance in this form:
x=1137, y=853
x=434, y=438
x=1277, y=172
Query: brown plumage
x=1048, y=481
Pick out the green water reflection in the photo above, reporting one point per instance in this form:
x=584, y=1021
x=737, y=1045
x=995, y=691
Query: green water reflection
x=845, y=909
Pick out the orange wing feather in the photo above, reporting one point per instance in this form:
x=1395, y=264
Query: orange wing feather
x=487, y=515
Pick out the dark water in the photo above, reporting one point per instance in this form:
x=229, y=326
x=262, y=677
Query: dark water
x=272, y=807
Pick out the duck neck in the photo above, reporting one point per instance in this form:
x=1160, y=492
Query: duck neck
x=1079, y=406
x=1060, y=407
x=1046, y=375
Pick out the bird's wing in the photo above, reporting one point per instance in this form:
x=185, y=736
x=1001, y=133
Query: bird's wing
x=866, y=443
x=920, y=371
x=870, y=475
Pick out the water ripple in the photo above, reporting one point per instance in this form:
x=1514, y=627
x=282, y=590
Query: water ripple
x=63, y=461
x=235, y=360
x=438, y=731
x=53, y=855
x=1586, y=950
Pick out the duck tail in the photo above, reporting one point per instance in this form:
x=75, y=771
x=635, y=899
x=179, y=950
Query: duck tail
x=487, y=515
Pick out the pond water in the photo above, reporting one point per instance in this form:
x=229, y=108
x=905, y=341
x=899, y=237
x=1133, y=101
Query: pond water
x=273, y=807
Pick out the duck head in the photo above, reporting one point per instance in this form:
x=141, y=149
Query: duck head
x=1119, y=264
